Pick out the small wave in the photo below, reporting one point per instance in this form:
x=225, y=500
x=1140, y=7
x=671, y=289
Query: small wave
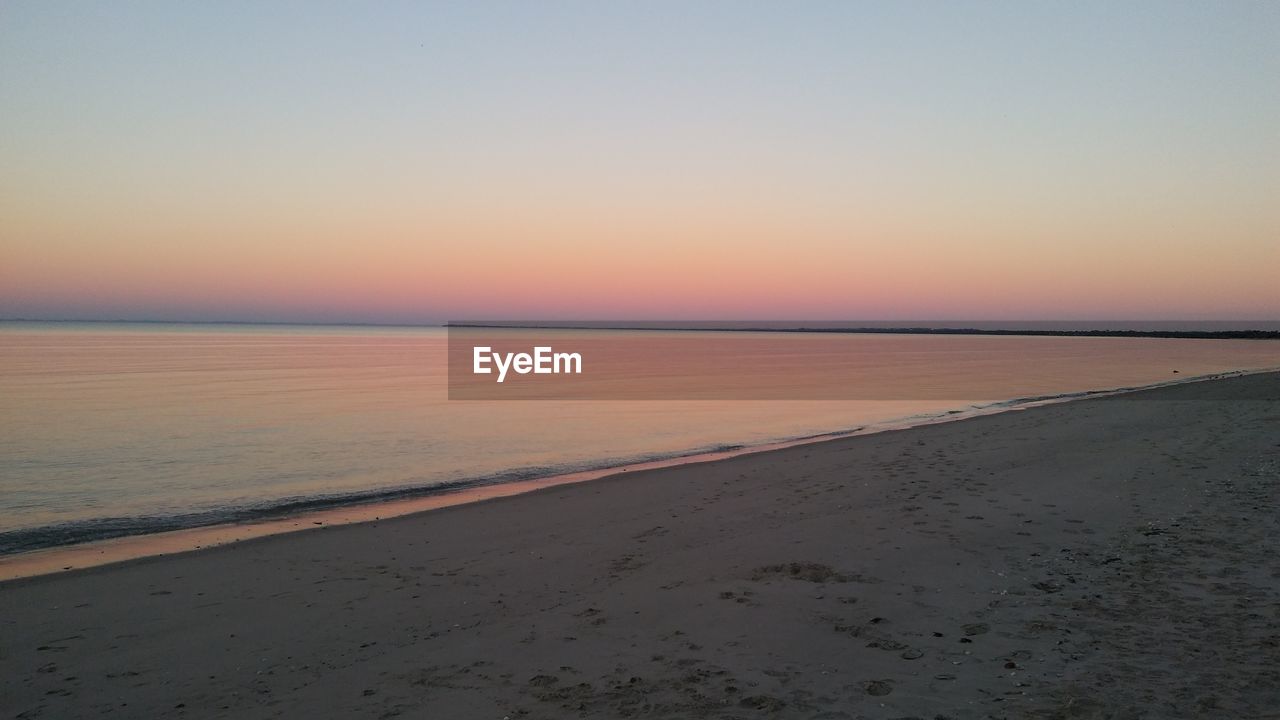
x=107, y=528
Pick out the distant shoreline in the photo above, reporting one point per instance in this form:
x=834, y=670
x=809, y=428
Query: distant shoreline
x=1180, y=334
x=736, y=326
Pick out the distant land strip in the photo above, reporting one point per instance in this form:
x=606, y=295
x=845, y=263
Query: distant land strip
x=1239, y=334
x=1187, y=334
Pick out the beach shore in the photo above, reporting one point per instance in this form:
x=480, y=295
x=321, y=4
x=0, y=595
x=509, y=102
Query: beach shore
x=1111, y=557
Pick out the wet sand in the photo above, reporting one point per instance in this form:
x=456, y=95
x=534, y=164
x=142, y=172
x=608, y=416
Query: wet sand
x=1113, y=557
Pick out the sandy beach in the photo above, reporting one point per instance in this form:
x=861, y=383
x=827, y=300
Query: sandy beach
x=1113, y=557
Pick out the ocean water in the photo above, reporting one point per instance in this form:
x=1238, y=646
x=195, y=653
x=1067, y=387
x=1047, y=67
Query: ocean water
x=117, y=429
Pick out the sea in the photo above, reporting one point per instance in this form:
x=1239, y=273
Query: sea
x=119, y=429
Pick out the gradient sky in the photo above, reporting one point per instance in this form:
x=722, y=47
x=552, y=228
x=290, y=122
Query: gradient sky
x=420, y=162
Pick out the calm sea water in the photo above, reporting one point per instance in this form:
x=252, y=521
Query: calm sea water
x=110, y=429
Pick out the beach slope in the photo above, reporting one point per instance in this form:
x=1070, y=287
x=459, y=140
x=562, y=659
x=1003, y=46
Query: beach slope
x=1112, y=557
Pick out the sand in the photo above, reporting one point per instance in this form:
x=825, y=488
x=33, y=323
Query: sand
x=1114, y=557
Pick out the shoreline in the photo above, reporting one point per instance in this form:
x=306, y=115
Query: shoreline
x=399, y=502
x=1111, y=556
x=1250, y=334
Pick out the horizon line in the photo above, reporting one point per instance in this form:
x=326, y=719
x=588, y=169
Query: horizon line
x=909, y=327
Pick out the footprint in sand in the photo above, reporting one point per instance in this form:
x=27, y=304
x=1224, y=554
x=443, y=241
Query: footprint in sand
x=878, y=688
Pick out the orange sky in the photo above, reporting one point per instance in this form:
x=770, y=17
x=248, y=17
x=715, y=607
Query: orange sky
x=377, y=168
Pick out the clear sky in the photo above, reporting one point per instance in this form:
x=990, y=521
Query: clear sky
x=406, y=162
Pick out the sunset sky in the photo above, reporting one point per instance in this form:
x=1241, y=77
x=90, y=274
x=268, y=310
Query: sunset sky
x=418, y=162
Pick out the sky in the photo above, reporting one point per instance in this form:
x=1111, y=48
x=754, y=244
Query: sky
x=419, y=162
